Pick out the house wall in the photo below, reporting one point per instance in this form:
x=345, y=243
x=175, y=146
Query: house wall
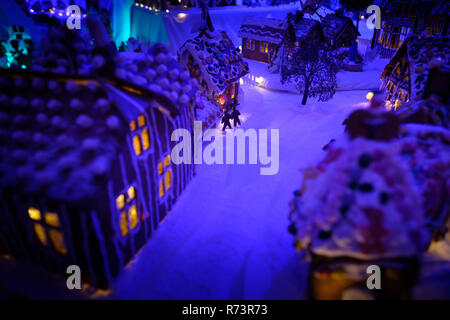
x=407, y=17
x=254, y=52
x=91, y=229
x=345, y=38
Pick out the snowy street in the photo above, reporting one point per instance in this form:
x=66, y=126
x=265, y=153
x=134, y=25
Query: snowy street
x=227, y=236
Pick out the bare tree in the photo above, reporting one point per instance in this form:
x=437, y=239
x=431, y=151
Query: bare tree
x=313, y=71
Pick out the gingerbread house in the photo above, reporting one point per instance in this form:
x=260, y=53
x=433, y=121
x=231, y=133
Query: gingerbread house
x=305, y=33
x=261, y=38
x=86, y=174
x=407, y=75
x=400, y=18
x=339, y=31
x=216, y=64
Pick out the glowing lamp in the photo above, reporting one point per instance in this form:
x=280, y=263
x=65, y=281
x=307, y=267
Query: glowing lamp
x=369, y=96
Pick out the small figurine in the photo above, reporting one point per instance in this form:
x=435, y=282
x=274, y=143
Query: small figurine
x=226, y=120
x=235, y=115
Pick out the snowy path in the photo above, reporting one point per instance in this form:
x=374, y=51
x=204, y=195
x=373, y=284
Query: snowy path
x=227, y=235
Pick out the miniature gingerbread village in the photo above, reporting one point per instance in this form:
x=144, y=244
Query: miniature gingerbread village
x=215, y=150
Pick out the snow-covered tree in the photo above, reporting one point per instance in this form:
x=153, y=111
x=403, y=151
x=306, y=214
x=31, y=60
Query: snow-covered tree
x=313, y=71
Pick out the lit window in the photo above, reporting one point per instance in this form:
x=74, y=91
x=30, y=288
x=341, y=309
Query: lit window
x=250, y=44
x=120, y=202
x=167, y=161
x=168, y=179
x=40, y=233
x=48, y=229
x=264, y=48
x=52, y=219
x=141, y=120
x=137, y=145
x=141, y=135
x=128, y=212
x=160, y=168
x=133, y=217
x=123, y=224
x=34, y=213
x=161, y=188
x=131, y=193
x=57, y=240
x=145, y=139
x=133, y=125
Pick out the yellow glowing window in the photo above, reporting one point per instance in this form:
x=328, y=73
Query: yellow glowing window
x=133, y=125
x=141, y=120
x=131, y=193
x=250, y=44
x=161, y=188
x=264, y=47
x=34, y=213
x=52, y=219
x=167, y=161
x=57, y=240
x=40, y=233
x=160, y=168
x=123, y=224
x=145, y=139
x=137, y=145
x=134, y=219
x=120, y=202
x=168, y=179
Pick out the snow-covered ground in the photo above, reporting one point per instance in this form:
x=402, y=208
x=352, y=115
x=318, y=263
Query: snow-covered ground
x=368, y=80
x=227, y=236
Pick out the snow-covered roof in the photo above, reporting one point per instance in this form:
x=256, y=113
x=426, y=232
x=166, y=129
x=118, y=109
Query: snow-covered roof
x=304, y=28
x=59, y=136
x=333, y=25
x=220, y=62
x=61, y=133
x=159, y=72
x=263, y=29
x=423, y=54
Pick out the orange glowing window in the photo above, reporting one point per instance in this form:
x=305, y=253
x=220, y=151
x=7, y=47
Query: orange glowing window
x=133, y=125
x=133, y=215
x=167, y=161
x=52, y=219
x=131, y=193
x=160, y=168
x=120, y=202
x=161, y=188
x=141, y=120
x=250, y=44
x=123, y=224
x=264, y=48
x=40, y=233
x=168, y=179
x=137, y=145
x=34, y=213
x=145, y=139
x=57, y=240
